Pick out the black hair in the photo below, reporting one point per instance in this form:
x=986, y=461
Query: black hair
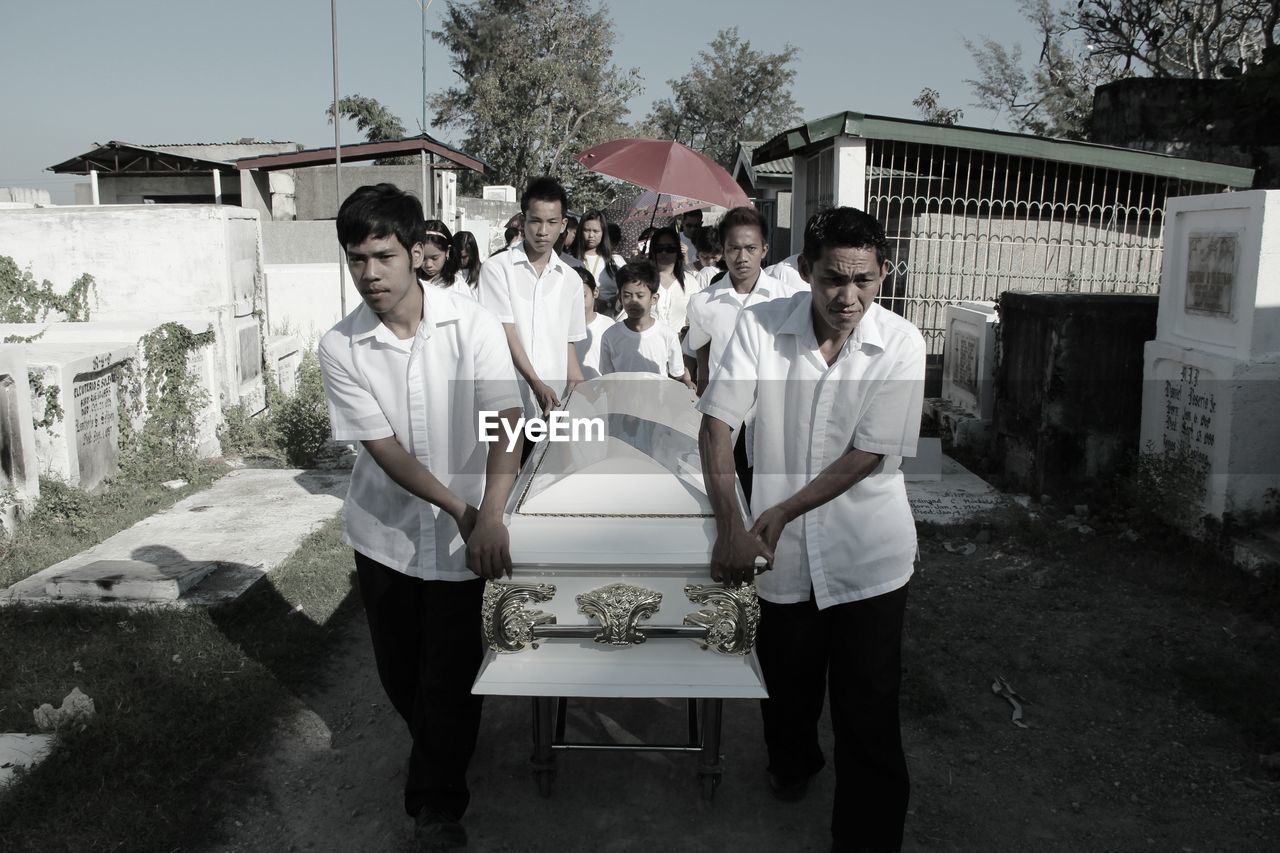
x=508, y=234
x=697, y=211
x=377, y=211
x=587, y=278
x=437, y=234
x=841, y=228
x=744, y=216
x=545, y=188
x=708, y=240
x=465, y=241
x=671, y=232
x=571, y=222
x=615, y=233
x=642, y=271
x=604, y=248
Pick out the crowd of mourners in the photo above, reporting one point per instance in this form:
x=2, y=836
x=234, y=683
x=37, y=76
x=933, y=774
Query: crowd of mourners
x=809, y=394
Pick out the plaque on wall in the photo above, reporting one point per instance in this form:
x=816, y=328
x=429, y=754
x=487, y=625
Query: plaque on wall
x=1211, y=272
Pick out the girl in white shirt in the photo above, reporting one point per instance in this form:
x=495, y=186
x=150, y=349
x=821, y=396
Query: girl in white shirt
x=664, y=251
x=593, y=247
x=597, y=324
x=440, y=260
x=468, y=253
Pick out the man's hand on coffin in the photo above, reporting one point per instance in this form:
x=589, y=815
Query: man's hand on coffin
x=547, y=399
x=769, y=527
x=733, y=557
x=488, y=545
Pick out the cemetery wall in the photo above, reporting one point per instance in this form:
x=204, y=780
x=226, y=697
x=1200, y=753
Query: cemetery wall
x=19, y=466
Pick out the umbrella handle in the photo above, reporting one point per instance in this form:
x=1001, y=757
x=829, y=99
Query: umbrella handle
x=657, y=201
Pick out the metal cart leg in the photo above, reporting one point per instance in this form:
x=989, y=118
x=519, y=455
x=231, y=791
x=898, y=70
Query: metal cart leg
x=544, y=759
x=709, y=759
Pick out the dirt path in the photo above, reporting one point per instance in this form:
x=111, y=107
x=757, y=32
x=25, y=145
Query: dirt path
x=1150, y=694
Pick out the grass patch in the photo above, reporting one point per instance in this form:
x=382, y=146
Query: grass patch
x=183, y=697
x=66, y=520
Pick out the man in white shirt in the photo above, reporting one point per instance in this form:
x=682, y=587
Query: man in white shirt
x=690, y=225
x=406, y=374
x=713, y=312
x=791, y=270
x=837, y=385
x=538, y=299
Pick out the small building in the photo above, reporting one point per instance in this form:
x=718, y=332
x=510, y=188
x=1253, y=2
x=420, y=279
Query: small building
x=971, y=213
x=769, y=186
x=187, y=173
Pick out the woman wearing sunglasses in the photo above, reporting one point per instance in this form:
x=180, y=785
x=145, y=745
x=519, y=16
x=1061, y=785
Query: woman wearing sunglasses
x=664, y=251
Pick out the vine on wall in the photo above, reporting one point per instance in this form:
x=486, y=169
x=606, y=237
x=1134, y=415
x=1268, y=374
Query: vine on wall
x=24, y=300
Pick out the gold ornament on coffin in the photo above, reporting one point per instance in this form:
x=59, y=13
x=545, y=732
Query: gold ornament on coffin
x=508, y=625
x=730, y=617
x=619, y=607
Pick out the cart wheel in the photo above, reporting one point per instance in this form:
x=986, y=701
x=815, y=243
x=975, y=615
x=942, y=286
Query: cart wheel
x=709, y=783
x=544, y=779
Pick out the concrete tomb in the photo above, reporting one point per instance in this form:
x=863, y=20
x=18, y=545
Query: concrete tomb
x=1212, y=392
x=284, y=359
x=19, y=467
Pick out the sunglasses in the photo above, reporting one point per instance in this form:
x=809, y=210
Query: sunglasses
x=665, y=248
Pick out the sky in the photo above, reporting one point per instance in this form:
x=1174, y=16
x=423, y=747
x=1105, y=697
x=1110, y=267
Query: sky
x=75, y=73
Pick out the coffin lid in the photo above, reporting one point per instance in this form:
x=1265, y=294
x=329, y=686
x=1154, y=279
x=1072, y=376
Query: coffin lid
x=647, y=466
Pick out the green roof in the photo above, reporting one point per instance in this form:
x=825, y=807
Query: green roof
x=802, y=139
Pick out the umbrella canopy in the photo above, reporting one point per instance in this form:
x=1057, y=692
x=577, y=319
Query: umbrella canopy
x=665, y=166
x=650, y=205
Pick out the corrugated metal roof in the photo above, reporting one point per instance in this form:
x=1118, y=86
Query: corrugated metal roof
x=801, y=140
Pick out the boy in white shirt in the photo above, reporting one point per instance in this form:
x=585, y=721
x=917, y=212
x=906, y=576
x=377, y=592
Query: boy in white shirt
x=597, y=324
x=406, y=374
x=640, y=344
x=538, y=299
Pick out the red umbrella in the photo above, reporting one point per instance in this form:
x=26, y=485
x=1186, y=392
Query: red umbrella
x=665, y=167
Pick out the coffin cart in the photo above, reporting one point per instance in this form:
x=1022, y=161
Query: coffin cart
x=610, y=596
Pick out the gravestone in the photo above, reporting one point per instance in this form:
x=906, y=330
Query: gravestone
x=1212, y=392
x=133, y=580
x=205, y=361
x=19, y=468
x=76, y=409
x=969, y=359
x=252, y=391
x=284, y=358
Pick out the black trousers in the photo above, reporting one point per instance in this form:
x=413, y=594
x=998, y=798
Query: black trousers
x=856, y=649
x=740, y=464
x=428, y=645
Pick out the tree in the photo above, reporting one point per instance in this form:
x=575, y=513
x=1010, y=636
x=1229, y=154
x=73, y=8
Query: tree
x=1056, y=97
x=1204, y=39
x=928, y=102
x=1091, y=42
x=733, y=93
x=376, y=122
x=535, y=85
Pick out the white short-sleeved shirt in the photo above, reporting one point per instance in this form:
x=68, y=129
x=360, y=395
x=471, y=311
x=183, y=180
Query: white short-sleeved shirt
x=787, y=271
x=861, y=543
x=458, y=286
x=606, y=286
x=673, y=302
x=546, y=311
x=699, y=279
x=426, y=391
x=713, y=312
x=589, y=347
x=655, y=350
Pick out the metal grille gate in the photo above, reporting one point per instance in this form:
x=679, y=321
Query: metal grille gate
x=966, y=224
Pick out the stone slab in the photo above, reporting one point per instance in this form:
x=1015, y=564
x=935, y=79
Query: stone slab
x=21, y=751
x=134, y=579
x=958, y=497
x=246, y=523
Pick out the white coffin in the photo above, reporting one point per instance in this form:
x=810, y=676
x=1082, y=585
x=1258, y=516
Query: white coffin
x=630, y=509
